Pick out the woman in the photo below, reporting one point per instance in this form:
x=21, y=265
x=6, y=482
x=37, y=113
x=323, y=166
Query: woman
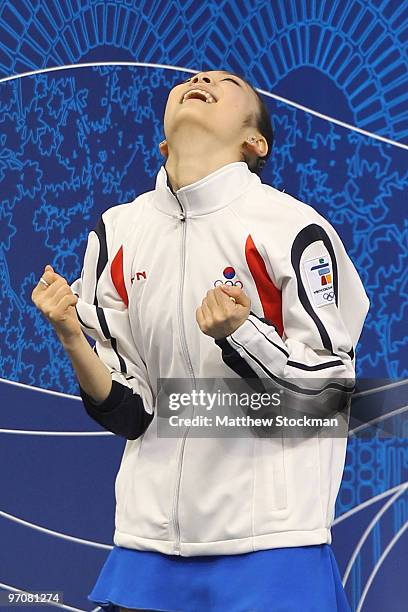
x=214, y=275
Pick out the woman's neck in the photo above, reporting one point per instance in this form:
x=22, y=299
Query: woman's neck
x=191, y=166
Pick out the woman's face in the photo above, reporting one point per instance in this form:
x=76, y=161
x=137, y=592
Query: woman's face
x=220, y=110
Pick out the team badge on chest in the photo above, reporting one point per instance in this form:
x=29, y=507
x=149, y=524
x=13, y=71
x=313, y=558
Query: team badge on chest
x=229, y=278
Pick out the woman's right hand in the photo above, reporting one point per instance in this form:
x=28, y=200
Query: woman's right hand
x=57, y=303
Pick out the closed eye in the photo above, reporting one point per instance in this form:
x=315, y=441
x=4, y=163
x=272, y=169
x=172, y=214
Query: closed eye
x=233, y=81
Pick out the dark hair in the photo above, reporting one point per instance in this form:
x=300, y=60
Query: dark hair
x=262, y=122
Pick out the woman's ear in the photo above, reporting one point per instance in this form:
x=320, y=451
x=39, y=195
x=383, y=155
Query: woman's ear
x=257, y=146
x=164, y=149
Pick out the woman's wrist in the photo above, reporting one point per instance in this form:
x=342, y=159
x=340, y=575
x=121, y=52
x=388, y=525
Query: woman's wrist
x=72, y=343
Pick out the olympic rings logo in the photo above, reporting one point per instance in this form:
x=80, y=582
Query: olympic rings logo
x=329, y=297
x=236, y=283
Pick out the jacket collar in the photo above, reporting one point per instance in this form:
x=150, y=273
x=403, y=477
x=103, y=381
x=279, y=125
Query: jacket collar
x=214, y=191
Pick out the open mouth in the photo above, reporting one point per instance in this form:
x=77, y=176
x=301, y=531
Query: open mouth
x=198, y=94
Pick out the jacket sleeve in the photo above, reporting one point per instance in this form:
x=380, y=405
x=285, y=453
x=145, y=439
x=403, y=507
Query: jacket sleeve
x=104, y=317
x=323, y=309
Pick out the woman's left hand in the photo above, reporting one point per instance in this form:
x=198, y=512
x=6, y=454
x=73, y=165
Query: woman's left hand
x=222, y=311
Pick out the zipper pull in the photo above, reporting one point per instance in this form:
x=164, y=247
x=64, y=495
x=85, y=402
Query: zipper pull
x=182, y=214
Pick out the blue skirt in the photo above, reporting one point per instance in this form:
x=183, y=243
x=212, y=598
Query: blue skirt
x=303, y=578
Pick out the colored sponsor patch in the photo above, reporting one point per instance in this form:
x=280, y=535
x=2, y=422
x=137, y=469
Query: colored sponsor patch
x=319, y=275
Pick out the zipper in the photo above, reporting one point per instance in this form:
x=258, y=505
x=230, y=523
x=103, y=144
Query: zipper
x=182, y=217
x=184, y=347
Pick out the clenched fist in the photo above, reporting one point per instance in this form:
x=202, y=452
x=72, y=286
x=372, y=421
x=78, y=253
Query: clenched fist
x=57, y=303
x=222, y=311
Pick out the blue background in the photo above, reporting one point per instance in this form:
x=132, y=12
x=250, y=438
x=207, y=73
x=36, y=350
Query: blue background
x=76, y=141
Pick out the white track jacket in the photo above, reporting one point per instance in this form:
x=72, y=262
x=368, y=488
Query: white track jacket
x=147, y=267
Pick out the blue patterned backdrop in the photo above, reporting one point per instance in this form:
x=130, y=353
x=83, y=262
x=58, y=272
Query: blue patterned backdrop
x=77, y=140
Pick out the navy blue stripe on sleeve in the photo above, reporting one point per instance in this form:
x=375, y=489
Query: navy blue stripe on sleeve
x=296, y=364
x=100, y=231
x=234, y=364
x=309, y=234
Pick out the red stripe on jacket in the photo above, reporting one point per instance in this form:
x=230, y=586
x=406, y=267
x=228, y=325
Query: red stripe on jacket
x=117, y=275
x=270, y=296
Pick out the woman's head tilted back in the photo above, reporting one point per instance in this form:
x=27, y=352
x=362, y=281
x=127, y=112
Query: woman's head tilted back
x=218, y=113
